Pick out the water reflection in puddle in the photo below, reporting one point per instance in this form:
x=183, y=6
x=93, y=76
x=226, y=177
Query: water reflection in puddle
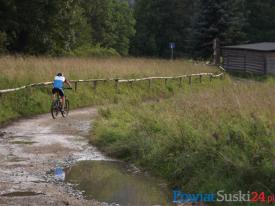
x=59, y=174
x=112, y=182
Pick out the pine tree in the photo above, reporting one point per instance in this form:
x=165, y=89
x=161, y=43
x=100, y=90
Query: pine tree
x=223, y=19
x=158, y=23
x=260, y=16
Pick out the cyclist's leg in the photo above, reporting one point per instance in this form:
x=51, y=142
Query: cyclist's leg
x=53, y=94
x=61, y=93
x=63, y=102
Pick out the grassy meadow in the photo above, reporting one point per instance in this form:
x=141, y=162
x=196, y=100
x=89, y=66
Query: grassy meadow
x=18, y=71
x=202, y=140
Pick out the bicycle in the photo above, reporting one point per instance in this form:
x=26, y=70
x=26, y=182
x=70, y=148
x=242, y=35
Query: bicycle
x=56, y=107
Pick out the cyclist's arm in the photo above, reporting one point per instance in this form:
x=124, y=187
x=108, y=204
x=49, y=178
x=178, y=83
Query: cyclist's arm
x=68, y=83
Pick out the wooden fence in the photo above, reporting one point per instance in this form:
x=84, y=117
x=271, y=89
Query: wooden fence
x=117, y=82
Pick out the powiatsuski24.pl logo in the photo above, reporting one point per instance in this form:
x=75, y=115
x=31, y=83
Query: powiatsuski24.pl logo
x=221, y=196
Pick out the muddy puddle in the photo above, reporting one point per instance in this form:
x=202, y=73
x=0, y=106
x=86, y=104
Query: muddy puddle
x=20, y=194
x=117, y=183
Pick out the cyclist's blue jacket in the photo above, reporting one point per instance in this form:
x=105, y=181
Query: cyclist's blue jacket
x=58, y=82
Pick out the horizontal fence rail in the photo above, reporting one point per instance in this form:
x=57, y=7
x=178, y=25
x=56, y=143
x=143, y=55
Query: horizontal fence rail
x=117, y=81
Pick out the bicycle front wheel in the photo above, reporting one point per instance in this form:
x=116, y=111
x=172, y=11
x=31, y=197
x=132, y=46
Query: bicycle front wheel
x=66, y=108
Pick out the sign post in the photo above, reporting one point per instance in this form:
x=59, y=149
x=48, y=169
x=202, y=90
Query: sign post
x=217, y=52
x=172, y=46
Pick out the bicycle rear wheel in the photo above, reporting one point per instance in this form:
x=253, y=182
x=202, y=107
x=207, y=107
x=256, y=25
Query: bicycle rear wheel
x=66, y=108
x=55, y=109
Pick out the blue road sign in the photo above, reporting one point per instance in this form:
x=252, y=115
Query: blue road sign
x=172, y=45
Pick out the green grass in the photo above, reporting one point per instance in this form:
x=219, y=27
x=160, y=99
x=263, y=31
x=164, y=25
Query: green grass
x=18, y=71
x=216, y=137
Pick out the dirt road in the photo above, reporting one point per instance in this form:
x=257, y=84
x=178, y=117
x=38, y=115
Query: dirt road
x=31, y=149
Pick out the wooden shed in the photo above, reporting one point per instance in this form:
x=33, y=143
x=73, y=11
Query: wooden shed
x=256, y=58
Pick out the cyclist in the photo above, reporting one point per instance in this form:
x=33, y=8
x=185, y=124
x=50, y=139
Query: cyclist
x=58, y=84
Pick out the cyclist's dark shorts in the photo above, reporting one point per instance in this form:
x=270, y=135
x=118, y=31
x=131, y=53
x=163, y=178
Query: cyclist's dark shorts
x=59, y=91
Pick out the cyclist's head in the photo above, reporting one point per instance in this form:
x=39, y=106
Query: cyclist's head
x=59, y=74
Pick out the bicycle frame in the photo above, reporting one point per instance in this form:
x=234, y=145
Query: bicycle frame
x=56, y=106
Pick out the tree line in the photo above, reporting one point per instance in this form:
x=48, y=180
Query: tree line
x=139, y=28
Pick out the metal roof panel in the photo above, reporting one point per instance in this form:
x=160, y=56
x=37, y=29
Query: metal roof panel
x=264, y=46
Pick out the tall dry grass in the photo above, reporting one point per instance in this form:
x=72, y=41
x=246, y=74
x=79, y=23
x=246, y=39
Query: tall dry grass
x=233, y=97
x=18, y=70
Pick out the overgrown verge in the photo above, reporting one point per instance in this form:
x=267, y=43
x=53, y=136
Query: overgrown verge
x=203, y=141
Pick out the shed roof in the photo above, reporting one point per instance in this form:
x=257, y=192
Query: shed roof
x=264, y=46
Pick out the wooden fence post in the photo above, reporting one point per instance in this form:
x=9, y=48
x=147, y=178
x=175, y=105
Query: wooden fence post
x=131, y=84
x=165, y=82
x=94, y=84
x=75, y=86
x=149, y=81
x=30, y=90
x=190, y=79
x=210, y=77
x=117, y=85
x=180, y=85
x=49, y=91
x=200, y=78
